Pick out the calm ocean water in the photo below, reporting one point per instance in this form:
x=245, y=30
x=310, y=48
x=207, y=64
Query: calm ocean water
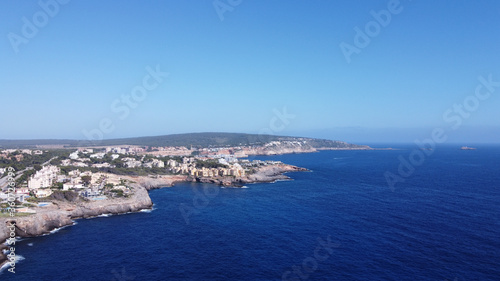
x=339, y=222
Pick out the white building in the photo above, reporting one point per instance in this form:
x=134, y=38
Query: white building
x=3, y=196
x=119, y=150
x=74, y=173
x=44, y=178
x=155, y=163
x=74, y=155
x=68, y=186
x=133, y=163
x=172, y=163
x=80, y=164
x=86, y=173
x=99, y=155
x=87, y=150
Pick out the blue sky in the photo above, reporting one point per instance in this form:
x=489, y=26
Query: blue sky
x=238, y=74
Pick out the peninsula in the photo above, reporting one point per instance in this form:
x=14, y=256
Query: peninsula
x=46, y=184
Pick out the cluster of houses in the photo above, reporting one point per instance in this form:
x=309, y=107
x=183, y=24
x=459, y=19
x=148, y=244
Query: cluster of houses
x=5, y=153
x=41, y=182
x=83, y=158
x=126, y=149
x=8, y=153
x=93, y=185
x=236, y=151
x=38, y=184
x=188, y=166
x=41, y=185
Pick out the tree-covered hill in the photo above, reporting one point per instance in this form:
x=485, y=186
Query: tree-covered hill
x=197, y=140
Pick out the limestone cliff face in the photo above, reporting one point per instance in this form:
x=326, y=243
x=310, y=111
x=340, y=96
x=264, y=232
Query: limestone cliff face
x=41, y=223
x=302, y=146
x=271, y=173
x=158, y=181
x=279, y=149
x=4, y=234
x=140, y=200
x=3, y=231
x=62, y=213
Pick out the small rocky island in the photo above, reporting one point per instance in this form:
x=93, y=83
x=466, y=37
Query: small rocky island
x=467, y=148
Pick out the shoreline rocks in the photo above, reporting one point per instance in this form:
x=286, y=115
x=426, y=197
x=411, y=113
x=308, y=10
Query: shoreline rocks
x=63, y=213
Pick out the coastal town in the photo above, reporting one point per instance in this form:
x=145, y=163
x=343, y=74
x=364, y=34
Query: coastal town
x=47, y=186
x=100, y=173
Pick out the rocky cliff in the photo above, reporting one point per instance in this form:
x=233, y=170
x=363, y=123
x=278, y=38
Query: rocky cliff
x=62, y=213
x=301, y=145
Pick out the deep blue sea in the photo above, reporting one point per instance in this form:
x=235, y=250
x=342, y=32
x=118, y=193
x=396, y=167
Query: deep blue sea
x=341, y=221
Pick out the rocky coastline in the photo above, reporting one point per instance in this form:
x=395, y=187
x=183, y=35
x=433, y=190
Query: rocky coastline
x=63, y=213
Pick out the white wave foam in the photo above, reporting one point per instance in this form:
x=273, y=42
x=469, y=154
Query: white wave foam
x=147, y=210
x=4, y=267
x=7, y=265
x=59, y=228
x=30, y=244
x=282, y=180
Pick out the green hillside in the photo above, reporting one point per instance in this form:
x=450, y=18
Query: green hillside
x=191, y=139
